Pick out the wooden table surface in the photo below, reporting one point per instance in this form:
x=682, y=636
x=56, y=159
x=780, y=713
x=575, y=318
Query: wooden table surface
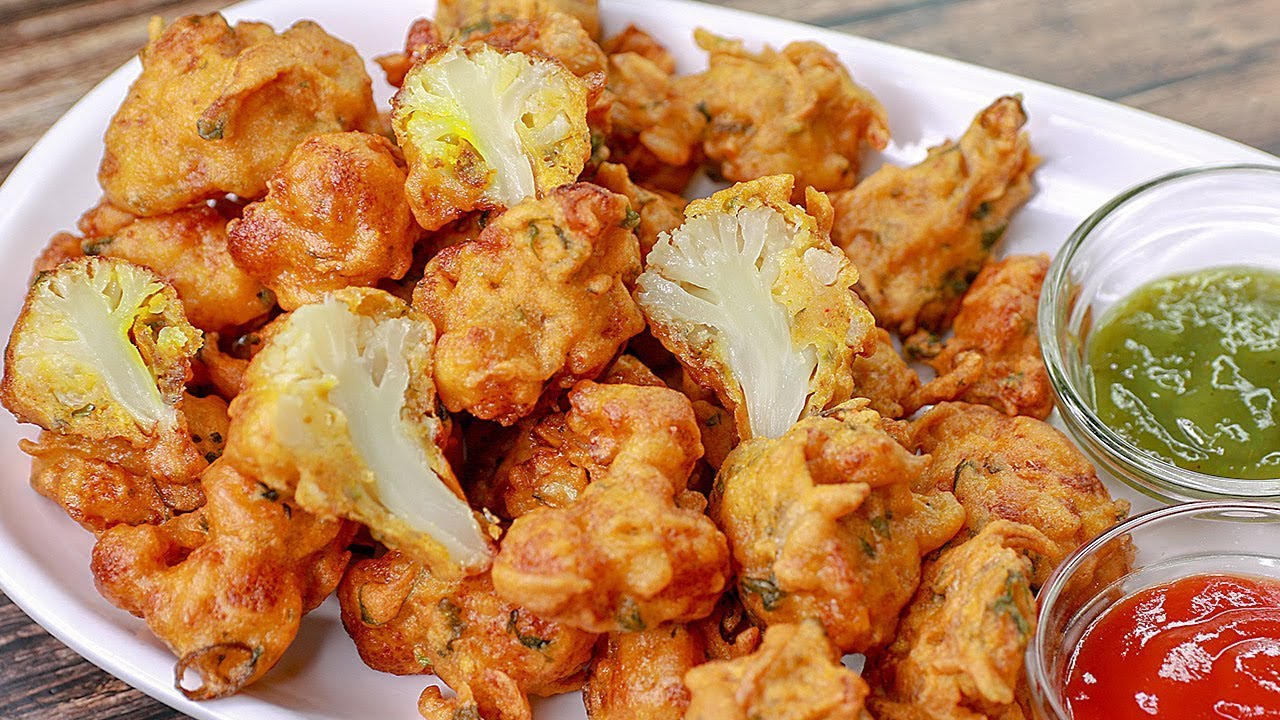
x=1215, y=65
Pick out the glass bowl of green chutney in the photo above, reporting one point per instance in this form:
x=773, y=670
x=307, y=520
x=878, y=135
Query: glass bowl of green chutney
x=1159, y=322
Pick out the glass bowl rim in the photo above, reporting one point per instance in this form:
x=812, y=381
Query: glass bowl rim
x=1138, y=468
x=1041, y=689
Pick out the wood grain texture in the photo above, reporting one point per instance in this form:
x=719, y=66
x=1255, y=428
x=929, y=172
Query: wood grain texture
x=1215, y=65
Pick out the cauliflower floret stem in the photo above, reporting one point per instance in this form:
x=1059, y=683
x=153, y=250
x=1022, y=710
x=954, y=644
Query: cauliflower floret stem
x=720, y=271
x=368, y=384
x=100, y=335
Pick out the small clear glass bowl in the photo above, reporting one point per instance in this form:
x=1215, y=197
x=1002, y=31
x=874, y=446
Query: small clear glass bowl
x=1220, y=216
x=1232, y=538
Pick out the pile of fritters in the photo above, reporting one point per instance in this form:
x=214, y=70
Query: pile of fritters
x=541, y=423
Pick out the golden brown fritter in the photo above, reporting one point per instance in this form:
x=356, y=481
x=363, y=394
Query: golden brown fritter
x=795, y=675
x=919, y=235
x=552, y=458
x=103, y=484
x=634, y=550
x=655, y=128
x=1018, y=469
x=660, y=211
x=217, y=108
x=823, y=525
x=406, y=621
x=225, y=586
x=796, y=111
x=994, y=358
x=101, y=352
x=959, y=650
x=464, y=17
x=189, y=249
x=757, y=304
x=640, y=675
x=553, y=34
x=335, y=216
x=884, y=378
x=541, y=300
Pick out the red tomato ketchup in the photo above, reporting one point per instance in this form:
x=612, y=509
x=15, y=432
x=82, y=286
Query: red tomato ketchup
x=1199, y=648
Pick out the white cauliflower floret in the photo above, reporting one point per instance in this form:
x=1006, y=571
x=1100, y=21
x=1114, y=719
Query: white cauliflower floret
x=339, y=411
x=757, y=305
x=101, y=350
x=483, y=129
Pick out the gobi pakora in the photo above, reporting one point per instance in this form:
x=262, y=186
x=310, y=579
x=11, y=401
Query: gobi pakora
x=823, y=525
x=218, y=107
x=541, y=300
x=640, y=675
x=919, y=235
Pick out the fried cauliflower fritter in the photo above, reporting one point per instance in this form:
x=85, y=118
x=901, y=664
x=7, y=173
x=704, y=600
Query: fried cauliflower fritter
x=796, y=111
x=1018, y=469
x=959, y=650
x=635, y=40
x=406, y=621
x=541, y=300
x=335, y=216
x=339, y=413
x=919, y=235
x=994, y=358
x=217, y=108
x=823, y=524
x=727, y=632
x=484, y=129
x=757, y=305
x=634, y=550
x=884, y=378
x=640, y=675
x=795, y=675
x=660, y=211
x=655, y=128
x=464, y=17
x=552, y=458
x=551, y=34
x=101, y=351
x=225, y=586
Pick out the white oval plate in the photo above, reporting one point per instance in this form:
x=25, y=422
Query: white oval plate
x=1091, y=148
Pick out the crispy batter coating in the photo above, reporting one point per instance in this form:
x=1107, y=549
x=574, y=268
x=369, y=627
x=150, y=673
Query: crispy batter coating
x=634, y=550
x=994, y=358
x=61, y=248
x=553, y=34
x=884, y=378
x=660, y=211
x=189, y=249
x=225, y=586
x=463, y=17
x=796, y=111
x=554, y=457
x=217, y=108
x=919, y=235
x=640, y=675
x=655, y=128
x=541, y=300
x=823, y=524
x=959, y=650
x=103, y=484
x=757, y=304
x=406, y=621
x=335, y=216
x=795, y=675
x=1018, y=469
x=338, y=411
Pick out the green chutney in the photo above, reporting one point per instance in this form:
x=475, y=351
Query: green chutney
x=1188, y=368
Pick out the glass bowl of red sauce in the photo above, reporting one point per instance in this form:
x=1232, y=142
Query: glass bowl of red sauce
x=1159, y=322
x=1174, y=613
